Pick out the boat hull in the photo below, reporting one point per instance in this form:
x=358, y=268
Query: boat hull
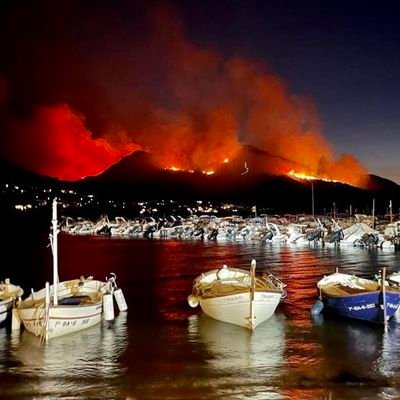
x=5, y=311
x=61, y=319
x=366, y=306
x=9, y=294
x=239, y=309
x=80, y=306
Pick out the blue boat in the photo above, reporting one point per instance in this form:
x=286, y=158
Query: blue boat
x=354, y=297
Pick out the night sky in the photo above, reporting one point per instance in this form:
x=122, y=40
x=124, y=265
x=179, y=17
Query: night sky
x=316, y=83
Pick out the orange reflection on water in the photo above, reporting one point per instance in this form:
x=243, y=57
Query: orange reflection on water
x=301, y=284
x=307, y=394
x=179, y=265
x=171, y=285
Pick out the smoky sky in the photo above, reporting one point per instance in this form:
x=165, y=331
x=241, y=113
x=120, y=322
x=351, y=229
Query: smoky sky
x=83, y=83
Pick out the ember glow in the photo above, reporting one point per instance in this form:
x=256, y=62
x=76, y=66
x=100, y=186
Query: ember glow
x=302, y=176
x=189, y=106
x=176, y=169
x=205, y=172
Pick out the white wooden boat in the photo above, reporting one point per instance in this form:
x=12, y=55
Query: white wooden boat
x=69, y=306
x=237, y=296
x=79, y=305
x=9, y=294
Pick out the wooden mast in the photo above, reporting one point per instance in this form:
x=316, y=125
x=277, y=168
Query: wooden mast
x=54, y=247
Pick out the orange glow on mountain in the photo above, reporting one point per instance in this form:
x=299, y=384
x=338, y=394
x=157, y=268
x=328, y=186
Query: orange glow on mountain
x=176, y=169
x=189, y=106
x=344, y=170
x=302, y=176
x=58, y=144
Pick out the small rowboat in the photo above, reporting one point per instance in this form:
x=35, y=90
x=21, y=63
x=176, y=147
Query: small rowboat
x=354, y=297
x=237, y=296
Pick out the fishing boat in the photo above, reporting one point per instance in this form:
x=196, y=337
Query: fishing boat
x=9, y=294
x=354, y=297
x=394, y=278
x=68, y=306
x=237, y=296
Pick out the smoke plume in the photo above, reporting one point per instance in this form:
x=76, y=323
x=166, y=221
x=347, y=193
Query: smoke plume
x=83, y=86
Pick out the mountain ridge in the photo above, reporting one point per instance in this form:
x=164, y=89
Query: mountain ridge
x=137, y=177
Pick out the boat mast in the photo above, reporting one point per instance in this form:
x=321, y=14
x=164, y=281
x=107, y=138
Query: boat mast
x=373, y=213
x=312, y=198
x=54, y=247
x=252, y=290
x=383, y=289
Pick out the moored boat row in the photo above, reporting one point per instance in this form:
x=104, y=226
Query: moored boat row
x=310, y=230
x=227, y=294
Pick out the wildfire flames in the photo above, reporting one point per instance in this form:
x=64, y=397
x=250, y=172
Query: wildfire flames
x=205, y=172
x=188, y=106
x=302, y=176
x=344, y=170
x=190, y=171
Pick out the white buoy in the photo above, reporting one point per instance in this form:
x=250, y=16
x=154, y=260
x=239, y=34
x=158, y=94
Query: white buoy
x=108, y=307
x=120, y=299
x=15, y=320
x=193, y=301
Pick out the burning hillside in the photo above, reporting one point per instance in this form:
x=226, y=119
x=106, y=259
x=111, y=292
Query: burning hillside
x=188, y=106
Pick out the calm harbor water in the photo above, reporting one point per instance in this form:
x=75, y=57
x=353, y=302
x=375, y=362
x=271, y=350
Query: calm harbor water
x=163, y=349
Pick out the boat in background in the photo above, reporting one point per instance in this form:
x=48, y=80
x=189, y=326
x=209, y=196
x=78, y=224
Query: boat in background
x=394, y=278
x=69, y=306
x=237, y=296
x=9, y=294
x=354, y=297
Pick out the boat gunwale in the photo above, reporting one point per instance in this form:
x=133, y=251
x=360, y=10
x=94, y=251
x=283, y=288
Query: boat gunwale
x=376, y=292
x=236, y=291
x=237, y=284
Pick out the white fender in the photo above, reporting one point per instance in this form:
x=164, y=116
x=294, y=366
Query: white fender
x=108, y=307
x=193, y=301
x=120, y=299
